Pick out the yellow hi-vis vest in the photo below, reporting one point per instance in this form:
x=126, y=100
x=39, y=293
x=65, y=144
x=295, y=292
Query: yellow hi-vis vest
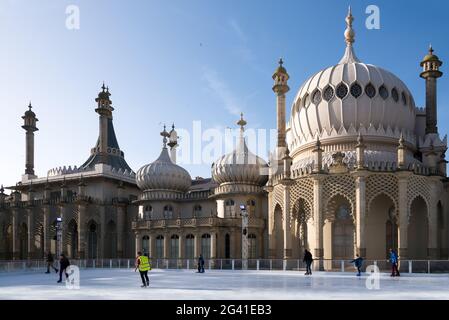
x=144, y=264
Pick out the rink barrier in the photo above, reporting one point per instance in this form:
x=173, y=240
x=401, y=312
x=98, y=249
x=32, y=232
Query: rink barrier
x=405, y=266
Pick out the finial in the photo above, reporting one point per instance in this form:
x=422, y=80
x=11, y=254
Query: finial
x=165, y=134
x=173, y=126
x=401, y=140
x=242, y=123
x=2, y=189
x=30, y=106
x=281, y=62
x=349, y=32
x=430, y=49
x=107, y=89
x=103, y=87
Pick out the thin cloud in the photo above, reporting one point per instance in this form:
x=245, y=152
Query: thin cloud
x=238, y=31
x=220, y=88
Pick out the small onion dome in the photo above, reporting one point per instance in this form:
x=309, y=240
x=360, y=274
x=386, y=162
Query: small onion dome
x=431, y=57
x=163, y=174
x=29, y=113
x=240, y=166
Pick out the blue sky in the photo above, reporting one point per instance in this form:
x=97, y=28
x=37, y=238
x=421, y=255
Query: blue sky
x=180, y=61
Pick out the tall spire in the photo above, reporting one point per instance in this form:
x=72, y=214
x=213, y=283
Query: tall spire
x=349, y=33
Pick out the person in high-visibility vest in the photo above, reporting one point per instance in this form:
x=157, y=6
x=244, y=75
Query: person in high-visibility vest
x=143, y=264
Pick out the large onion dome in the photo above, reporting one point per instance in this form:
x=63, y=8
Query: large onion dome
x=348, y=97
x=163, y=174
x=241, y=165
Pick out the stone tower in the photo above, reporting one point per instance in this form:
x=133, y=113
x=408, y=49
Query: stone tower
x=29, y=125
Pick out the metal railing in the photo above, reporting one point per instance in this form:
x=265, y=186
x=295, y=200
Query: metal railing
x=405, y=266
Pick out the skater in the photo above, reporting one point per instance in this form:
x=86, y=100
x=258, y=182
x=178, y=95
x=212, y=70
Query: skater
x=394, y=260
x=50, y=263
x=308, y=259
x=358, y=261
x=143, y=264
x=201, y=264
x=63, y=264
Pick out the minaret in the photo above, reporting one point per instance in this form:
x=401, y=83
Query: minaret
x=280, y=88
x=104, y=109
x=431, y=73
x=173, y=143
x=29, y=126
x=401, y=153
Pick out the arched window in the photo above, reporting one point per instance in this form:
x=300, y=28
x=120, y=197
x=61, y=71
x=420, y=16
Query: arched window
x=160, y=246
x=147, y=212
x=197, y=209
x=145, y=245
x=168, y=212
x=251, y=207
x=252, y=246
x=92, y=240
x=229, y=208
x=190, y=246
x=174, y=246
x=205, y=245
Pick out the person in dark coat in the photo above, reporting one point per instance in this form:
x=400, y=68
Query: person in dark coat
x=201, y=264
x=394, y=260
x=63, y=265
x=50, y=263
x=308, y=259
x=358, y=262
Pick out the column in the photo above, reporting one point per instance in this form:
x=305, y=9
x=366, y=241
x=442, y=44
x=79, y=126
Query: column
x=403, y=214
x=181, y=253
x=213, y=245
x=271, y=233
x=166, y=245
x=318, y=217
x=121, y=218
x=30, y=225
x=152, y=246
x=102, y=231
x=62, y=214
x=197, y=244
x=287, y=224
x=82, y=211
x=138, y=240
x=360, y=194
x=46, y=227
x=432, y=247
x=15, y=244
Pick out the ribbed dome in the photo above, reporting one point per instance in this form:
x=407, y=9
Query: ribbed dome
x=163, y=174
x=241, y=165
x=350, y=94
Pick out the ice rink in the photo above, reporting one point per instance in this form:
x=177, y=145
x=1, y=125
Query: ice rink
x=222, y=285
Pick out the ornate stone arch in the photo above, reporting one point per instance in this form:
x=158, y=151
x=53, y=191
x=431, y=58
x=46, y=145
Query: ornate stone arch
x=418, y=186
x=302, y=189
x=302, y=205
x=378, y=184
x=343, y=185
x=332, y=204
x=278, y=198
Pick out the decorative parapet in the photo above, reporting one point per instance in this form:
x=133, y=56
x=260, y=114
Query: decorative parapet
x=304, y=141
x=147, y=224
x=231, y=188
x=152, y=195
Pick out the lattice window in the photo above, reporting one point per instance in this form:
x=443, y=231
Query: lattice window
x=404, y=98
x=316, y=97
x=383, y=92
x=328, y=93
x=382, y=184
x=343, y=185
x=356, y=90
x=395, y=95
x=342, y=90
x=370, y=90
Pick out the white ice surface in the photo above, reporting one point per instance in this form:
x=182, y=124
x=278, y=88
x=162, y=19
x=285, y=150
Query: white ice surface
x=221, y=285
